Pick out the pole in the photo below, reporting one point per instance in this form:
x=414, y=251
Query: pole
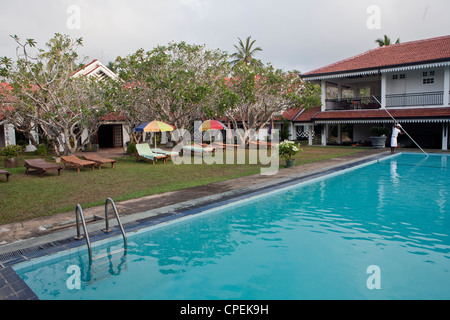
x=402, y=127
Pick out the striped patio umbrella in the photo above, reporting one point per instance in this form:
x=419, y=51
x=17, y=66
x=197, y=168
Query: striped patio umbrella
x=211, y=125
x=154, y=126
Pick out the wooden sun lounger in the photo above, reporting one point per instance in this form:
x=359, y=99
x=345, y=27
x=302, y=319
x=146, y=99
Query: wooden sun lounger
x=74, y=161
x=144, y=151
x=41, y=166
x=198, y=149
x=7, y=173
x=165, y=152
x=269, y=145
x=99, y=160
x=222, y=145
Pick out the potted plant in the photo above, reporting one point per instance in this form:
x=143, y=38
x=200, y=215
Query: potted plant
x=11, y=154
x=287, y=150
x=378, y=137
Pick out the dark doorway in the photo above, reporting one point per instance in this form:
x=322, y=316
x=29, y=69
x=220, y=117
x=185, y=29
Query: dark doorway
x=426, y=135
x=110, y=136
x=2, y=136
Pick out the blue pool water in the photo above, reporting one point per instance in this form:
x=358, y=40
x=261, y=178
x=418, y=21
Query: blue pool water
x=311, y=241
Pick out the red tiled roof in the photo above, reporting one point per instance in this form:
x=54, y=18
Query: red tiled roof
x=307, y=115
x=114, y=116
x=84, y=67
x=382, y=114
x=289, y=114
x=407, y=53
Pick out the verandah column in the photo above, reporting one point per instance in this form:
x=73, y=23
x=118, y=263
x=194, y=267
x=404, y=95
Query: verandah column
x=446, y=104
x=339, y=133
x=310, y=135
x=325, y=128
x=445, y=136
x=324, y=94
x=383, y=91
x=447, y=86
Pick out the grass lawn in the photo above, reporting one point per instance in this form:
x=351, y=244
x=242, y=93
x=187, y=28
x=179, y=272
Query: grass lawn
x=26, y=197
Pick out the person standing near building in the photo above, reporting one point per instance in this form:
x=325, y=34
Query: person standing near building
x=395, y=132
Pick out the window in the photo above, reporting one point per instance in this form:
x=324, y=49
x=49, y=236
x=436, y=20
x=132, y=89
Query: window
x=428, y=80
x=399, y=76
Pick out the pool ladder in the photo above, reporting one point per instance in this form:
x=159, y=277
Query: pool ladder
x=80, y=216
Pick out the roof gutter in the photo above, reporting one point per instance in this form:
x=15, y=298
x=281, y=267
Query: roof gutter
x=377, y=70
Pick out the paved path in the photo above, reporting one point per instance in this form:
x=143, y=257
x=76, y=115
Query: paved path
x=17, y=236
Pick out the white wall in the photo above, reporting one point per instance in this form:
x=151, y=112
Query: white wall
x=361, y=131
x=413, y=83
x=10, y=134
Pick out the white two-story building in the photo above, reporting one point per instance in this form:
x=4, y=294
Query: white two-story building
x=408, y=81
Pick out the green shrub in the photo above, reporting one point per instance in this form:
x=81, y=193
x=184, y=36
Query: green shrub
x=379, y=131
x=42, y=150
x=10, y=151
x=131, y=149
x=288, y=149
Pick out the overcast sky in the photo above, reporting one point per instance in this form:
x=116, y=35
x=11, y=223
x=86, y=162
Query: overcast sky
x=294, y=34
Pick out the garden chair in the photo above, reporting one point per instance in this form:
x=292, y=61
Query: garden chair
x=74, y=161
x=198, y=149
x=165, y=152
x=218, y=144
x=144, y=151
x=7, y=173
x=40, y=165
x=99, y=160
x=266, y=144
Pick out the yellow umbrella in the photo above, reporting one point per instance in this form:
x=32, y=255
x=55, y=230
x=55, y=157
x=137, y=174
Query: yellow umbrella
x=155, y=126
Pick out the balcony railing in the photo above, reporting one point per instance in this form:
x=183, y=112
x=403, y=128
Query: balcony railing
x=352, y=103
x=415, y=99
x=422, y=99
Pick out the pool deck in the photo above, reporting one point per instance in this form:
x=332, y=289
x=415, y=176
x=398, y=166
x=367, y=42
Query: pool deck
x=19, y=241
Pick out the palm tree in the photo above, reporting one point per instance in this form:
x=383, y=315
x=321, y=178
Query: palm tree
x=245, y=52
x=386, y=41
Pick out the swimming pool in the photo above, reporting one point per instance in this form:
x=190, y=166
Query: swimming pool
x=315, y=240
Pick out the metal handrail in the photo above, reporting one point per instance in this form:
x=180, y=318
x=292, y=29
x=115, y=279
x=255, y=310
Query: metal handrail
x=107, y=228
x=79, y=213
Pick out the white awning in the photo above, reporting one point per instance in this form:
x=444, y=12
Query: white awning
x=379, y=70
x=342, y=75
x=416, y=67
x=442, y=120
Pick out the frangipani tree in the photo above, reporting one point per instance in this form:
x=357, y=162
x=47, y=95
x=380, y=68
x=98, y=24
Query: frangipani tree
x=174, y=83
x=254, y=94
x=47, y=97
